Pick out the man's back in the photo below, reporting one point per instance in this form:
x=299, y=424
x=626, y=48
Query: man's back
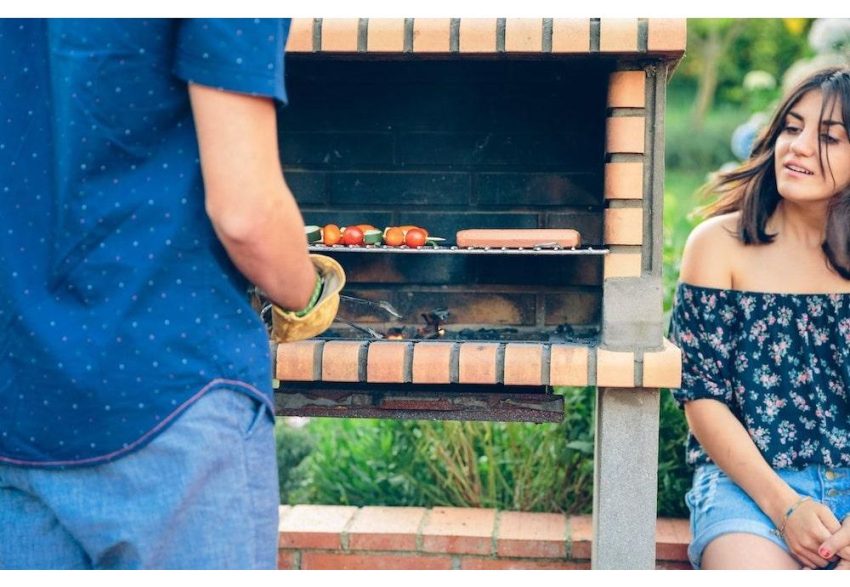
x=119, y=305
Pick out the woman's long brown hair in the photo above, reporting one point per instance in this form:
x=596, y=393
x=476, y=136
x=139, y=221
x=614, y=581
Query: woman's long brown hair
x=751, y=188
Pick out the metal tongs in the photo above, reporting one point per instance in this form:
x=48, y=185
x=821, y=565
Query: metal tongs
x=370, y=331
x=382, y=305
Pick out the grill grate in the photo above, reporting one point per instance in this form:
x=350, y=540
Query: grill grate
x=454, y=250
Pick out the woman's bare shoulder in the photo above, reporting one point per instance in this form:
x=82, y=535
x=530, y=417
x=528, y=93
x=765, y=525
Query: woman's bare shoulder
x=709, y=253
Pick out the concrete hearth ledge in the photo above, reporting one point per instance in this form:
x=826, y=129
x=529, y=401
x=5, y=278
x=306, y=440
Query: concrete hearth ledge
x=375, y=537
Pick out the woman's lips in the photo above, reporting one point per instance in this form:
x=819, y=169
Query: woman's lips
x=798, y=170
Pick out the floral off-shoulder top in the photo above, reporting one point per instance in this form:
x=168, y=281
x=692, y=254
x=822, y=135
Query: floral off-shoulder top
x=779, y=361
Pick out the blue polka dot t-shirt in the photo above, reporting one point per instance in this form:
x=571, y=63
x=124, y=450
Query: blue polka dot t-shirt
x=118, y=306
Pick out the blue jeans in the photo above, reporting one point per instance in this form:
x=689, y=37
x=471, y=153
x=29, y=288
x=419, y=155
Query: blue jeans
x=718, y=506
x=201, y=495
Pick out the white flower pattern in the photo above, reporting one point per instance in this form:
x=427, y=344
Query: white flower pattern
x=778, y=361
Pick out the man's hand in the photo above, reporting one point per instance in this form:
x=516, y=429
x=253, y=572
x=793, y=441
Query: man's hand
x=808, y=527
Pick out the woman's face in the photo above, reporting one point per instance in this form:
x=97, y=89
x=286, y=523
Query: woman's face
x=800, y=177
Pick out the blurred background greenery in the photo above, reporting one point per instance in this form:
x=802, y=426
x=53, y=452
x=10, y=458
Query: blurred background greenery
x=733, y=71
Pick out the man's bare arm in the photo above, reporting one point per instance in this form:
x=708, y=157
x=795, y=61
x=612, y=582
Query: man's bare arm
x=251, y=208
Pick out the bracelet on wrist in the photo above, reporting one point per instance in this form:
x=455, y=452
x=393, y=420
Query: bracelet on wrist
x=780, y=531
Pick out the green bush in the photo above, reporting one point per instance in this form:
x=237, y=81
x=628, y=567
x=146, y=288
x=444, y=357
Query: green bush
x=363, y=462
x=293, y=446
x=509, y=466
x=517, y=466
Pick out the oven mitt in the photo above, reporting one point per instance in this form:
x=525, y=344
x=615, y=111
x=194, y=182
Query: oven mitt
x=289, y=326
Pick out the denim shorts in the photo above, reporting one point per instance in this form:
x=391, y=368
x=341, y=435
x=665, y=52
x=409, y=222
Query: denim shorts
x=718, y=506
x=203, y=494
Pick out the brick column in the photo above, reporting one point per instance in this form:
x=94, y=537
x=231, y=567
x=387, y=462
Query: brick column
x=627, y=416
x=632, y=299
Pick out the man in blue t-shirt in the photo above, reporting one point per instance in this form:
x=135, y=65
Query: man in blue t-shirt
x=140, y=186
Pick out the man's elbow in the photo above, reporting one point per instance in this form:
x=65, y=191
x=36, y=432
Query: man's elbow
x=234, y=224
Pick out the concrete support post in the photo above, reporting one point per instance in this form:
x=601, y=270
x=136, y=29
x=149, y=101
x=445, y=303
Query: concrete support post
x=625, y=478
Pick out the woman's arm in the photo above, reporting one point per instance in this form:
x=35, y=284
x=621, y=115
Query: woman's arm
x=729, y=445
x=709, y=261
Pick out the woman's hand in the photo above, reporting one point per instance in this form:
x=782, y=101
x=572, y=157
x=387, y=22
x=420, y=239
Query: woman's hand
x=809, y=527
x=838, y=545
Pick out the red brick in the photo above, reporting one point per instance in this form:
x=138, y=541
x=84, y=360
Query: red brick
x=340, y=34
x=300, y=38
x=622, y=265
x=385, y=528
x=477, y=35
x=478, y=363
x=341, y=360
x=673, y=566
x=663, y=368
x=432, y=362
x=532, y=535
x=314, y=526
x=287, y=560
x=672, y=537
x=297, y=361
x=489, y=564
x=431, y=35
x=459, y=530
x=623, y=226
x=524, y=35
x=568, y=365
x=625, y=134
x=571, y=35
x=667, y=34
x=385, y=362
x=581, y=537
x=627, y=89
x=615, y=369
x=618, y=35
x=340, y=561
x=385, y=35
x=523, y=364
x=624, y=180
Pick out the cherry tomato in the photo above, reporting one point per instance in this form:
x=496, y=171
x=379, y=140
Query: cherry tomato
x=416, y=237
x=352, y=236
x=408, y=227
x=394, y=237
x=331, y=234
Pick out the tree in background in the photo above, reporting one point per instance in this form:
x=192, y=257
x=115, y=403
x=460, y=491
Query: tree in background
x=721, y=51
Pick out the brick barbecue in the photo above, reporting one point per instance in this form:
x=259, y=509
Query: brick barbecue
x=452, y=124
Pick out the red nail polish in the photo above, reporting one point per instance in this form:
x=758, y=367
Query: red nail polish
x=825, y=553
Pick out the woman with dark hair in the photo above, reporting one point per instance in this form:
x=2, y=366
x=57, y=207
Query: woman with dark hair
x=762, y=316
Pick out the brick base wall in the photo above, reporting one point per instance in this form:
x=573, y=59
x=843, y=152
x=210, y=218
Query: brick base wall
x=345, y=537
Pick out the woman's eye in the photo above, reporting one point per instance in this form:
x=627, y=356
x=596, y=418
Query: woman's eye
x=791, y=129
x=828, y=139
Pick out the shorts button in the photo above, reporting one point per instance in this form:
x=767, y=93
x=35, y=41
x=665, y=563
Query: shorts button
x=832, y=492
x=830, y=475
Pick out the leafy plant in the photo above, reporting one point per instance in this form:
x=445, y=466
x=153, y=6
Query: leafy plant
x=293, y=446
x=517, y=466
